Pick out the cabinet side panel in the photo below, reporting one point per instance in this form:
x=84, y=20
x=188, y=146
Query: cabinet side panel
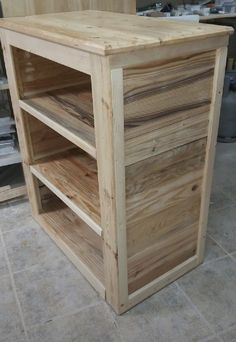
x=163, y=196
x=167, y=104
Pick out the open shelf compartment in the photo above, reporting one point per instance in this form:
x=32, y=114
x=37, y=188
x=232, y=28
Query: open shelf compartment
x=72, y=176
x=58, y=96
x=76, y=239
x=69, y=172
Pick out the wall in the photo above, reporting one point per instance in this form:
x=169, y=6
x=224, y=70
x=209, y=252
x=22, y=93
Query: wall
x=13, y=8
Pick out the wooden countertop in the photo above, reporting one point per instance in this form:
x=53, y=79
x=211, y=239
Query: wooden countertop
x=107, y=33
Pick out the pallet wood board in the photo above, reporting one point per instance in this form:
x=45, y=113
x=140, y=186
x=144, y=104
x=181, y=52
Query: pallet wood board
x=107, y=33
x=163, y=197
x=68, y=111
x=72, y=176
x=182, y=88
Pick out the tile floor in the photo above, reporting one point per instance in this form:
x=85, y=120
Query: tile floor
x=43, y=298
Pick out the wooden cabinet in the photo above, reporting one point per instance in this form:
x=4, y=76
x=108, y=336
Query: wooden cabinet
x=117, y=118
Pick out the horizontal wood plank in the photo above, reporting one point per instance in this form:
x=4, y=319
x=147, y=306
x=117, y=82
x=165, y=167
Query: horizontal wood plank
x=69, y=112
x=163, y=199
x=167, y=104
x=107, y=33
x=72, y=176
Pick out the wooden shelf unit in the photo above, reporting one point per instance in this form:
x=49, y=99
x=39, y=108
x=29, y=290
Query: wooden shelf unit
x=117, y=118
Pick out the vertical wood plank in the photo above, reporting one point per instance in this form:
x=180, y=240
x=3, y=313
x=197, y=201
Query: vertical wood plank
x=21, y=125
x=218, y=82
x=107, y=88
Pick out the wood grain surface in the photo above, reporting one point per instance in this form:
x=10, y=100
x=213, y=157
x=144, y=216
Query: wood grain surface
x=167, y=104
x=163, y=197
x=37, y=74
x=73, y=174
x=107, y=33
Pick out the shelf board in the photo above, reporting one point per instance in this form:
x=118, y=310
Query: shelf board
x=82, y=246
x=69, y=111
x=10, y=159
x=72, y=176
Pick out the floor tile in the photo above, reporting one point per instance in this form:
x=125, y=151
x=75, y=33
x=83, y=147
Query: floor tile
x=212, y=339
x=222, y=227
x=3, y=263
x=224, y=171
x=230, y=192
x=177, y=319
x=213, y=251
x=138, y=324
x=15, y=215
x=94, y=324
x=212, y=289
x=51, y=289
x=225, y=152
x=10, y=324
x=229, y=336
x=28, y=246
x=165, y=317
x=234, y=255
x=219, y=198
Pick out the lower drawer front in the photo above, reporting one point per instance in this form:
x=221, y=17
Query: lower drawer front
x=163, y=197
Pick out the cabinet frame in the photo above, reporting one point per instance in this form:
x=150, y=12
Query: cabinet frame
x=108, y=101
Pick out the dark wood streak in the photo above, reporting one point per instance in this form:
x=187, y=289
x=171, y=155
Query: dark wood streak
x=75, y=111
x=140, y=94
x=138, y=121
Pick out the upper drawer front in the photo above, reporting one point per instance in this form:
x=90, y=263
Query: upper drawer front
x=167, y=104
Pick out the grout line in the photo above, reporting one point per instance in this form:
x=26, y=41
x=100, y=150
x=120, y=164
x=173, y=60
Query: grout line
x=196, y=309
x=213, y=260
x=219, y=245
x=56, y=318
x=14, y=286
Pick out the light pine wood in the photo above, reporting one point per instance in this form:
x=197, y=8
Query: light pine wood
x=214, y=115
x=17, y=8
x=39, y=75
x=118, y=158
x=22, y=129
x=72, y=176
x=107, y=33
x=163, y=206
x=42, y=140
x=109, y=127
x=52, y=108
